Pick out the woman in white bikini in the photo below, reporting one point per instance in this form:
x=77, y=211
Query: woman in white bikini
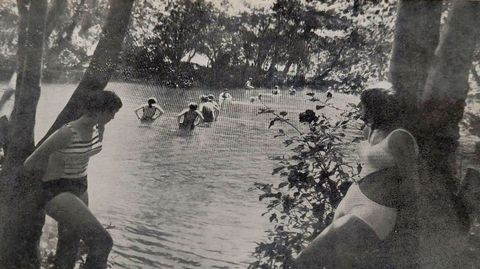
x=367, y=215
x=63, y=160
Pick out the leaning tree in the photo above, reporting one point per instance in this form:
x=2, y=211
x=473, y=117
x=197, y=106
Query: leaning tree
x=21, y=212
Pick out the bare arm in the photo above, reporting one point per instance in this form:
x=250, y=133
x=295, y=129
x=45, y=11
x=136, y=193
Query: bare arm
x=200, y=115
x=160, y=112
x=199, y=119
x=101, y=131
x=138, y=109
x=179, y=116
x=37, y=162
x=216, y=111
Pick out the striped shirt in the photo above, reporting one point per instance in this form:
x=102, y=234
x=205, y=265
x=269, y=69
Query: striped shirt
x=72, y=161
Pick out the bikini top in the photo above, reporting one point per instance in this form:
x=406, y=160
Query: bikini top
x=377, y=157
x=72, y=161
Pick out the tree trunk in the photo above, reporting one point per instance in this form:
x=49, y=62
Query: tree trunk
x=86, y=21
x=21, y=142
x=475, y=75
x=287, y=67
x=20, y=211
x=103, y=64
x=55, y=11
x=415, y=39
x=22, y=215
x=440, y=228
x=22, y=36
x=63, y=39
x=447, y=85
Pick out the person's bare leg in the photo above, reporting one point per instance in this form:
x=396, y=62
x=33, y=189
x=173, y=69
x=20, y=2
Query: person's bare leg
x=68, y=243
x=68, y=209
x=341, y=245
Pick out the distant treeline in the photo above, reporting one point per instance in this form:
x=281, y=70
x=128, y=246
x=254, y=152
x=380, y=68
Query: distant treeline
x=188, y=43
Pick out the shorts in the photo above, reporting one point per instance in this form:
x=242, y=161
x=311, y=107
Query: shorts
x=52, y=188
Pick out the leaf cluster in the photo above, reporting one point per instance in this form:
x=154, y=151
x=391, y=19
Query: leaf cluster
x=314, y=178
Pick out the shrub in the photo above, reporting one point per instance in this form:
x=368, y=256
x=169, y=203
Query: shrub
x=314, y=178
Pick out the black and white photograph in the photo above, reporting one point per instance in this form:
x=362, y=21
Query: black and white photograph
x=256, y=134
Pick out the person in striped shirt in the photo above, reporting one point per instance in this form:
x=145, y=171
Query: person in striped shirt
x=62, y=162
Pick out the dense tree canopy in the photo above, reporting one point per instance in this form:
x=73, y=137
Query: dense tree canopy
x=191, y=42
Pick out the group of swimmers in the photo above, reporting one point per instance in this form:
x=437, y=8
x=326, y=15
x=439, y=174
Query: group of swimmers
x=204, y=113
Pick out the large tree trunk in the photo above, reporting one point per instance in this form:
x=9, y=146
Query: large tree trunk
x=63, y=38
x=27, y=93
x=103, y=64
x=447, y=85
x=416, y=36
x=57, y=8
x=443, y=104
x=20, y=213
x=439, y=88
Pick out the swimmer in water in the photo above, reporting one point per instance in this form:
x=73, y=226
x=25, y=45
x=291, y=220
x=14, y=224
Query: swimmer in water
x=150, y=111
x=207, y=109
x=216, y=107
x=224, y=98
x=292, y=91
x=248, y=84
x=190, y=116
x=275, y=90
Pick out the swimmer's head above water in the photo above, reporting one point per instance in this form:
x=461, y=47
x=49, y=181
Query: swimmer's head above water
x=193, y=106
x=203, y=98
x=152, y=100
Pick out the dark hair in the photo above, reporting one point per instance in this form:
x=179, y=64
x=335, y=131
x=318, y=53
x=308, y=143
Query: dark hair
x=193, y=106
x=151, y=101
x=101, y=101
x=382, y=107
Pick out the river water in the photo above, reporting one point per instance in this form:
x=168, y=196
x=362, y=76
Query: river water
x=178, y=201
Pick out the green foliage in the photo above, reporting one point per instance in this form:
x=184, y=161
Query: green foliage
x=8, y=36
x=76, y=29
x=327, y=44
x=180, y=27
x=315, y=177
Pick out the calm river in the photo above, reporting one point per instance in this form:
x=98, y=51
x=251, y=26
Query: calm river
x=180, y=201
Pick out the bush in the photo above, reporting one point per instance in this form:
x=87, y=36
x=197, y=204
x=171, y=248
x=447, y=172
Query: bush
x=315, y=177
